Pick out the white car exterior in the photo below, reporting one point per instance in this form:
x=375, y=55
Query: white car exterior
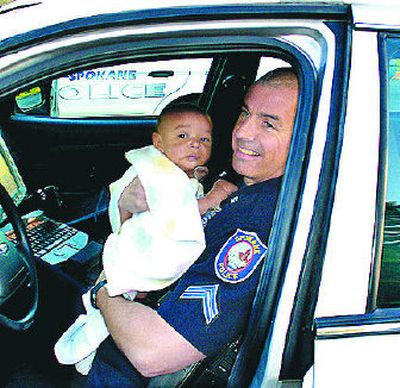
x=335, y=244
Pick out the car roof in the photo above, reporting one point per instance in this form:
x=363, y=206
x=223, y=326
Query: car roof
x=21, y=16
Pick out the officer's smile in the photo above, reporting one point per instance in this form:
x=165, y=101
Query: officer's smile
x=247, y=152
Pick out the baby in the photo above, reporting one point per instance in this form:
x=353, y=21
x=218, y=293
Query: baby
x=150, y=250
x=181, y=148
x=184, y=136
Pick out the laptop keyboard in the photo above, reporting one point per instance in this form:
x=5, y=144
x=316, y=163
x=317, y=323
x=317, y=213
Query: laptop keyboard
x=51, y=241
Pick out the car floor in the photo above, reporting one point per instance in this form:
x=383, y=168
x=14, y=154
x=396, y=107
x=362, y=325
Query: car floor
x=30, y=377
x=29, y=359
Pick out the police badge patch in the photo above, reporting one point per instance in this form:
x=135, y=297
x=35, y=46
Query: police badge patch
x=239, y=257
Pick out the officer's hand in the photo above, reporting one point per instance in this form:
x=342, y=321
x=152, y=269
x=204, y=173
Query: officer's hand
x=132, y=200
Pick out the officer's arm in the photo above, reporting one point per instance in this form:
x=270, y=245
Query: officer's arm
x=149, y=342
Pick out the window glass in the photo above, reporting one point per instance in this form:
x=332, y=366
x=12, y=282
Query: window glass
x=267, y=64
x=389, y=285
x=134, y=89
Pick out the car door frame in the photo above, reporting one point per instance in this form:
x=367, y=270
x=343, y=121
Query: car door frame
x=354, y=340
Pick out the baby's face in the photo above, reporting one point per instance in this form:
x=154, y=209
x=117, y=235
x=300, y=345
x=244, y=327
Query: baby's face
x=185, y=138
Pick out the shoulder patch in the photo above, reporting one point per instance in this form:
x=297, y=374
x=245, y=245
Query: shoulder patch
x=239, y=257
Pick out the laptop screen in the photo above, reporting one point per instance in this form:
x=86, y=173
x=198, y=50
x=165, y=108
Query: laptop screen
x=10, y=178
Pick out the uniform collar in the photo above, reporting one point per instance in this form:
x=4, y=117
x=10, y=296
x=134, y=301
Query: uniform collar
x=256, y=187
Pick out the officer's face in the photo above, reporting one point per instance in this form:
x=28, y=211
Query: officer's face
x=262, y=134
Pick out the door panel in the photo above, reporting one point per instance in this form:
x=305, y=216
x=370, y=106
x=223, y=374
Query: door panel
x=357, y=351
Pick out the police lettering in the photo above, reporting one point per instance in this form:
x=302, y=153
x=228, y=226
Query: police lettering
x=103, y=75
x=250, y=239
x=225, y=273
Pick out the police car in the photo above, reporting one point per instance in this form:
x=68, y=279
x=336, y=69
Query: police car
x=83, y=82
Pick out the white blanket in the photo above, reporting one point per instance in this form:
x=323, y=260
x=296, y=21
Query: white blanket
x=148, y=252
x=154, y=248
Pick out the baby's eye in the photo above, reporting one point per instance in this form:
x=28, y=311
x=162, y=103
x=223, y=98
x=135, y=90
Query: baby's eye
x=205, y=139
x=182, y=136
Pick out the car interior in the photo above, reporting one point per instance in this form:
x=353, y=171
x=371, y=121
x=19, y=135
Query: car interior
x=56, y=170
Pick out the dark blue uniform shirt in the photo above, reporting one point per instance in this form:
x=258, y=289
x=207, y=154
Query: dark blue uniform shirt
x=211, y=302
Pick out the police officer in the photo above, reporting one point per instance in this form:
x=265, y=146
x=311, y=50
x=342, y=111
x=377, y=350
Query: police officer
x=210, y=304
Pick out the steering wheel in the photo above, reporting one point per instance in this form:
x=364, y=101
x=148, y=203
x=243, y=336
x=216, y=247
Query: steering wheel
x=17, y=267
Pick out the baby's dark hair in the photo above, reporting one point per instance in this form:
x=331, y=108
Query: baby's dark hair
x=181, y=107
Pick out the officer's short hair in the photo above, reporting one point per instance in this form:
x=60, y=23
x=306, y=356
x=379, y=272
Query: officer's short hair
x=281, y=76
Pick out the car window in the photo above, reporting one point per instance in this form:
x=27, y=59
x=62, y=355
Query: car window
x=389, y=283
x=132, y=89
x=267, y=64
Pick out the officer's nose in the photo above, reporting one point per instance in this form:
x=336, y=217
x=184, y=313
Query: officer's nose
x=245, y=129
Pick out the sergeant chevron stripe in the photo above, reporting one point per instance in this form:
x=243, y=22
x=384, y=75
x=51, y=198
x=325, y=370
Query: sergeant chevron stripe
x=208, y=295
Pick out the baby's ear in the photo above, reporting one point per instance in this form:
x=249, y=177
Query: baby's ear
x=157, y=141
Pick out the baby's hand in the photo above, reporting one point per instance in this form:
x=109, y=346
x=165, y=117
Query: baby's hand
x=220, y=191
